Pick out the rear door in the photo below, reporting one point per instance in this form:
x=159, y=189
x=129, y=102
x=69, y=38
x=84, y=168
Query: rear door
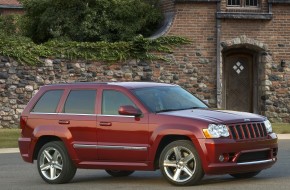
x=78, y=114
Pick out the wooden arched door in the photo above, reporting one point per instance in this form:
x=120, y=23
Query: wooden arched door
x=238, y=82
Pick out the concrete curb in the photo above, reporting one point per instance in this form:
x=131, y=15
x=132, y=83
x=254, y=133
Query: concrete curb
x=8, y=150
x=16, y=150
x=283, y=136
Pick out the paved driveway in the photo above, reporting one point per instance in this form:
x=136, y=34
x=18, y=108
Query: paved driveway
x=16, y=174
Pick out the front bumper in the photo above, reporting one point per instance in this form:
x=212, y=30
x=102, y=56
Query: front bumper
x=229, y=156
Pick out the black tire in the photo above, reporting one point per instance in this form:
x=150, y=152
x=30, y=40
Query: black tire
x=245, y=175
x=119, y=173
x=54, y=164
x=180, y=163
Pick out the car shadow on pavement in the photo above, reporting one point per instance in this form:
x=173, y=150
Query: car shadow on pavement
x=137, y=178
x=156, y=179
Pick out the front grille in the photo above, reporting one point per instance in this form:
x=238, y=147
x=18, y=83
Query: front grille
x=253, y=156
x=247, y=130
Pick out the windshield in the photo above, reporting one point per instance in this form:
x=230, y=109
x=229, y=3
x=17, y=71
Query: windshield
x=162, y=99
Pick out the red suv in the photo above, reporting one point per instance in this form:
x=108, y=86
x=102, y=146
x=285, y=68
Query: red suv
x=127, y=126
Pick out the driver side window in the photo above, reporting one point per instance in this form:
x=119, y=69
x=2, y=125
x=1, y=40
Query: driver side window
x=112, y=100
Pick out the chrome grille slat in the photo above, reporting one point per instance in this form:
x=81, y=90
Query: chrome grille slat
x=251, y=130
x=247, y=131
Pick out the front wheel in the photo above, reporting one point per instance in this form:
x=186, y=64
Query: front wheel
x=119, y=173
x=54, y=164
x=245, y=175
x=180, y=163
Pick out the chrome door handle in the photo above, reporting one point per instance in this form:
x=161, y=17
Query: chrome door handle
x=64, y=122
x=102, y=123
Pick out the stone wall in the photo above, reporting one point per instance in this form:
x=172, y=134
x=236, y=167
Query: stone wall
x=18, y=83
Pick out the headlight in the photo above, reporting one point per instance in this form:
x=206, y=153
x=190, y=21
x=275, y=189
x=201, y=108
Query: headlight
x=216, y=131
x=268, y=126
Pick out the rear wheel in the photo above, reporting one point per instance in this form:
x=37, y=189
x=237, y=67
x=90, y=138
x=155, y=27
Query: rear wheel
x=119, y=173
x=54, y=164
x=180, y=163
x=245, y=175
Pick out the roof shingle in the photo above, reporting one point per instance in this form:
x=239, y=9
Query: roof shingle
x=9, y=2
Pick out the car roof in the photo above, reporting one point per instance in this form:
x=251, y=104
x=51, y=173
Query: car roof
x=128, y=85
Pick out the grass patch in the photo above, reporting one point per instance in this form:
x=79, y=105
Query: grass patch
x=9, y=138
x=281, y=128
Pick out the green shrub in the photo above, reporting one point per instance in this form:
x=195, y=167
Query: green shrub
x=10, y=24
x=90, y=20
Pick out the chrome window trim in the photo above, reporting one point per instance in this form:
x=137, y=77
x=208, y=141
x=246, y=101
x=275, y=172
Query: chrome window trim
x=106, y=147
x=80, y=114
x=256, y=162
x=43, y=113
x=129, y=116
x=84, y=114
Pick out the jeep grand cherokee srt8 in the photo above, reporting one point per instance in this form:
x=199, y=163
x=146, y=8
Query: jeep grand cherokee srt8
x=126, y=126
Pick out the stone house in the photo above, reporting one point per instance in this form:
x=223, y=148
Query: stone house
x=241, y=49
x=10, y=7
x=238, y=59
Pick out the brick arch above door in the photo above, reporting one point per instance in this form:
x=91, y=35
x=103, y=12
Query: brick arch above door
x=263, y=61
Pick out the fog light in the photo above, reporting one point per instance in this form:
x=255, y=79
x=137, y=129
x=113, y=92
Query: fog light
x=221, y=158
x=225, y=157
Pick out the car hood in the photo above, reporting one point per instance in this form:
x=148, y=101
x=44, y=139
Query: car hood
x=217, y=116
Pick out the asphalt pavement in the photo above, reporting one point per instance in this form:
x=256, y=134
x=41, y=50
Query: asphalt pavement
x=15, y=174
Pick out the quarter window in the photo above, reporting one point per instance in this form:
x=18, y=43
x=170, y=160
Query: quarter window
x=112, y=100
x=81, y=102
x=48, y=102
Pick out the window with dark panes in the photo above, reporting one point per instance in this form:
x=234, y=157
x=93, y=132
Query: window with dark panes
x=48, y=102
x=81, y=102
x=234, y=2
x=112, y=100
x=253, y=3
x=243, y=3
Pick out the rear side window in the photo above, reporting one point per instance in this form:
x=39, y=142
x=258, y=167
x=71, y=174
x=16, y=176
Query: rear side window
x=48, y=102
x=81, y=102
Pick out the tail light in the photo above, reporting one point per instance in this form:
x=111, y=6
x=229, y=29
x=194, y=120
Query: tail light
x=23, y=120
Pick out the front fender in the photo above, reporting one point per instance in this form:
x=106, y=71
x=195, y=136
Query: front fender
x=189, y=131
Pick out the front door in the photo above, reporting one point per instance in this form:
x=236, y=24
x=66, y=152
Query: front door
x=121, y=138
x=238, y=82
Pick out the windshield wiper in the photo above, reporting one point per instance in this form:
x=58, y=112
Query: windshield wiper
x=194, y=108
x=168, y=110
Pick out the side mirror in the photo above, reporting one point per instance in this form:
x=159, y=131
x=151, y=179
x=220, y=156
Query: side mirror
x=129, y=110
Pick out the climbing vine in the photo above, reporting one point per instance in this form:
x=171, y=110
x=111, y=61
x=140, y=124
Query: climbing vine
x=27, y=52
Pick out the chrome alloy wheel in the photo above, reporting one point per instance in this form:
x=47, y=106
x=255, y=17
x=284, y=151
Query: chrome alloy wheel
x=179, y=164
x=51, y=163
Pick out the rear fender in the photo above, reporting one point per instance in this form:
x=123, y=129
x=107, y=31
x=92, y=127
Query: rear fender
x=56, y=131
